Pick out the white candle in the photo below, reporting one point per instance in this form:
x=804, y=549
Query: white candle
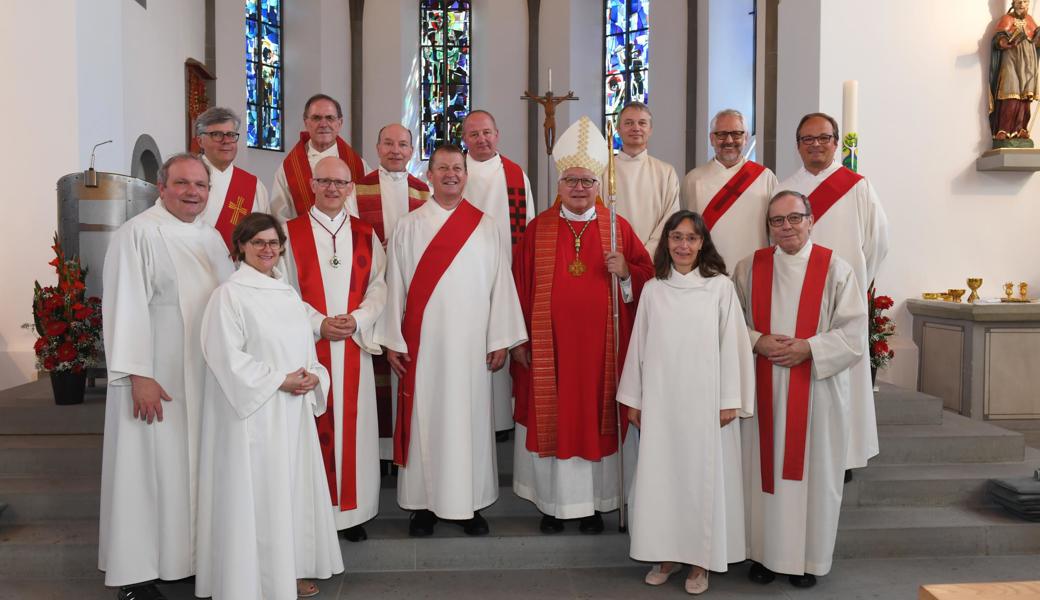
x=550, y=79
x=850, y=106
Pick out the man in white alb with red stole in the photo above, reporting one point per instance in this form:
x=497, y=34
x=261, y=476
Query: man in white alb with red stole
x=382, y=198
x=730, y=192
x=806, y=316
x=291, y=194
x=451, y=316
x=849, y=220
x=337, y=264
x=501, y=189
x=233, y=192
x=565, y=454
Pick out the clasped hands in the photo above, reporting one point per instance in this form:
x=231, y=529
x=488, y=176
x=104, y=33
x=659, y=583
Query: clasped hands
x=782, y=350
x=338, y=328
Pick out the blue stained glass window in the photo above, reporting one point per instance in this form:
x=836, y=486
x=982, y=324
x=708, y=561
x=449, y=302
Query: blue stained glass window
x=264, y=97
x=626, y=57
x=445, y=81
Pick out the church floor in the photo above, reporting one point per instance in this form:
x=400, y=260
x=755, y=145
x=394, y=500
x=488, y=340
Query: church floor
x=851, y=579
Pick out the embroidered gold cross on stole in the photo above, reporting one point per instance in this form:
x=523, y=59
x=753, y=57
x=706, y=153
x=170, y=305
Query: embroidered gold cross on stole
x=237, y=210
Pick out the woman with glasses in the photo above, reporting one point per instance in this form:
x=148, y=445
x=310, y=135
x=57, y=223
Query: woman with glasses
x=265, y=523
x=687, y=377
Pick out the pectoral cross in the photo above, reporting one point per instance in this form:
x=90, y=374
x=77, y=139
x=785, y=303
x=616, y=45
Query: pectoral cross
x=237, y=210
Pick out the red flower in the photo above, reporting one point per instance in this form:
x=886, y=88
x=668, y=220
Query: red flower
x=82, y=313
x=883, y=302
x=879, y=348
x=55, y=328
x=49, y=363
x=40, y=344
x=66, y=352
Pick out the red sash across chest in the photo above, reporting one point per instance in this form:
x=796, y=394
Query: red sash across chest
x=831, y=190
x=726, y=197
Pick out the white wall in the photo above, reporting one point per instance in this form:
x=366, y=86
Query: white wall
x=923, y=124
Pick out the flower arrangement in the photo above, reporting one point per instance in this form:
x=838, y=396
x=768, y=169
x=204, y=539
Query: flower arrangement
x=68, y=323
x=881, y=328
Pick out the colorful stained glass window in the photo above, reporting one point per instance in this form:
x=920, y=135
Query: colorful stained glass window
x=264, y=100
x=444, y=83
x=626, y=74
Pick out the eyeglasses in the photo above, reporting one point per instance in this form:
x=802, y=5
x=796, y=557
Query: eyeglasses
x=326, y=118
x=823, y=140
x=339, y=183
x=586, y=182
x=793, y=219
x=220, y=136
x=259, y=244
x=722, y=135
x=677, y=238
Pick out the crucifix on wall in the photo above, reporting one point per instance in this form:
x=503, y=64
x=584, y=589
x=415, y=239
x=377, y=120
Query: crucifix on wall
x=549, y=103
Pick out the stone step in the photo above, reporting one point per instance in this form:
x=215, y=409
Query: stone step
x=47, y=454
x=30, y=409
x=901, y=406
x=932, y=484
x=957, y=440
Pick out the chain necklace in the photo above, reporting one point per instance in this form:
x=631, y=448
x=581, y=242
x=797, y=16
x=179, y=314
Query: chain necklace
x=576, y=268
x=334, y=261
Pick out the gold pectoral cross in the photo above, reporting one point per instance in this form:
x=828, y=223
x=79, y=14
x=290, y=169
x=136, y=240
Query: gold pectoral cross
x=576, y=268
x=237, y=210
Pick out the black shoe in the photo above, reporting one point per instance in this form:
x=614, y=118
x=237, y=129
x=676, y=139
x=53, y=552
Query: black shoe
x=384, y=468
x=478, y=525
x=550, y=524
x=421, y=523
x=802, y=581
x=502, y=436
x=593, y=524
x=848, y=475
x=354, y=534
x=760, y=574
x=146, y=591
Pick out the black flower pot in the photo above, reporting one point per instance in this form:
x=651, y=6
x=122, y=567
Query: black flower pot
x=68, y=387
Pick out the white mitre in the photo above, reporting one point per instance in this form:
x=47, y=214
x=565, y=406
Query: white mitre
x=582, y=145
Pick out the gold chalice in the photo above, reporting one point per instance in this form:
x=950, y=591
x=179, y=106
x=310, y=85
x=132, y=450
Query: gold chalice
x=974, y=283
x=1009, y=289
x=955, y=294
x=1023, y=291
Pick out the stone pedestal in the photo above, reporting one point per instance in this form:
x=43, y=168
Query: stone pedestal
x=1009, y=159
x=981, y=359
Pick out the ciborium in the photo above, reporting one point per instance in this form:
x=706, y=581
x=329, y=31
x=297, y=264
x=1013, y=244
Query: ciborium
x=1023, y=291
x=955, y=294
x=1009, y=289
x=974, y=283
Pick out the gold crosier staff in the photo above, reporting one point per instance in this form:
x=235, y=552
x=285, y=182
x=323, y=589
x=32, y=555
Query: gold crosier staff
x=614, y=285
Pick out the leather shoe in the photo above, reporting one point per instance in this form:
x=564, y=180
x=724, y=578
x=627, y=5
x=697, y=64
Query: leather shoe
x=550, y=524
x=421, y=523
x=593, y=524
x=356, y=533
x=146, y=591
x=760, y=574
x=478, y=525
x=802, y=581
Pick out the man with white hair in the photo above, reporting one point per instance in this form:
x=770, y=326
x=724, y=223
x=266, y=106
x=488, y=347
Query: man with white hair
x=729, y=191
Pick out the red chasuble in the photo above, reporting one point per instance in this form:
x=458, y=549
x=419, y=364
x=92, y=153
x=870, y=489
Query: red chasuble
x=567, y=399
x=798, y=388
x=370, y=210
x=238, y=203
x=831, y=190
x=516, y=192
x=728, y=195
x=312, y=289
x=298, y=170
x=435, y=260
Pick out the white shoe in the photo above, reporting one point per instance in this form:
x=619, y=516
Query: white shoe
x=657, y=577
x=698, y=584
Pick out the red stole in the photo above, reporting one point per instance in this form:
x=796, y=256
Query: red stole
x=435, y=260
x=831, y=190
x=238, y=202
x=543, y=352
x=370, y=199
x=516, y=192
x=298, y=171
x=312, y=289
x=801, y=376
x=726, y=197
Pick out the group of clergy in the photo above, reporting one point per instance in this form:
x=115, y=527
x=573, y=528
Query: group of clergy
x=413, y=325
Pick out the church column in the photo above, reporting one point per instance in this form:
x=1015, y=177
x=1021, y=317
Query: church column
x=357, y=12
x=533, y=125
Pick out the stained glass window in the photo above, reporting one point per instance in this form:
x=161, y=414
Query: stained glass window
x=444, y=83
x=626, y=75
x=264, y=98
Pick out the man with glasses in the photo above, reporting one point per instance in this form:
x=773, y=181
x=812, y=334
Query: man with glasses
x=730, y=192
x=806, y=315
x=291, y=194
x=848, y=219
x=647, y=188
x=337, y=263
x=565, y=458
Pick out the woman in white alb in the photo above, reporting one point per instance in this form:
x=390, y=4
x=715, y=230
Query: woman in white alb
x=265, y=514
x=687, y=377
